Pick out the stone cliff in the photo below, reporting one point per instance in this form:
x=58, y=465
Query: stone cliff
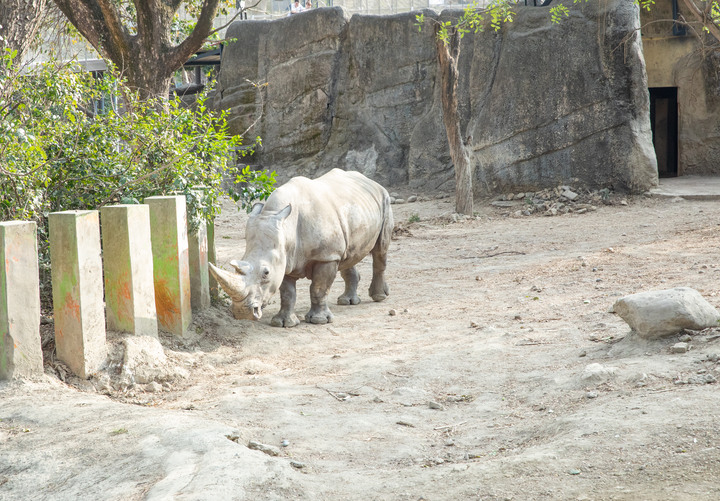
x=541, y=104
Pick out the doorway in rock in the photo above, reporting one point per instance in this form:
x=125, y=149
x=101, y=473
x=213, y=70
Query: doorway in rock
x=664, y=124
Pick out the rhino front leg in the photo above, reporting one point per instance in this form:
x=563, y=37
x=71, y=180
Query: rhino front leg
x=286, y=316
x=322, y=278
x=351, y=278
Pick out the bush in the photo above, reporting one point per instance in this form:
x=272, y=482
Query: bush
x=72, y=141
x=67, y=143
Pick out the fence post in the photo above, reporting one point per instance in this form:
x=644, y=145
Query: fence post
x=171, y=266
x=212, y=258
x=127, y=251
x=199, y=274
x=78, y=290
x=20, y=346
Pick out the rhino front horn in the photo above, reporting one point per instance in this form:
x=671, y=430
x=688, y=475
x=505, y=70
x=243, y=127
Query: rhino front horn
x=232, y=283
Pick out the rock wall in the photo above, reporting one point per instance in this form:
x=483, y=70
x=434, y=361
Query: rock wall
x=541, y=104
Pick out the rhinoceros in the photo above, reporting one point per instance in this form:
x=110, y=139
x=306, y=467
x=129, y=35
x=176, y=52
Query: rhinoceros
x=311, y=229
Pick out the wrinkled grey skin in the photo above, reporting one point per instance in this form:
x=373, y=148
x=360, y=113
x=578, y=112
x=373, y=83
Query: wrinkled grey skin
x=311, y=229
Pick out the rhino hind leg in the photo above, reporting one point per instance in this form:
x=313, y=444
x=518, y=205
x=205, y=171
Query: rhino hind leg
x=351, y=278
x=286, y=317
x=323, y=276
x=379, y=289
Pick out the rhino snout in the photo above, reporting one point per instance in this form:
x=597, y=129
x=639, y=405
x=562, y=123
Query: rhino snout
x=247, y=310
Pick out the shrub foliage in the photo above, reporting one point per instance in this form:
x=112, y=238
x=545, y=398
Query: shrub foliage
x=71, y=140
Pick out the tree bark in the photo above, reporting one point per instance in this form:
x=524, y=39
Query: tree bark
x=448, y=54
x=20, y=20
x=147, y=58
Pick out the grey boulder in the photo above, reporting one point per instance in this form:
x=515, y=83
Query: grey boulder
x=657, y=314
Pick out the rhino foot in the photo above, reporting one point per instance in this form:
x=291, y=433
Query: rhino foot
x=281, y=320
x=319, y=317
x=347, y=299
x=379, y=293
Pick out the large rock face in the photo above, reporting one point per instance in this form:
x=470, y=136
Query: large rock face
x=540, y=104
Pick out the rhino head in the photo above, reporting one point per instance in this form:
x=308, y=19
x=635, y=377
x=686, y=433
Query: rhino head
x=258, y=276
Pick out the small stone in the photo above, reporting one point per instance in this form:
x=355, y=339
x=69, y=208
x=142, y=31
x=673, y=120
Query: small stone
x=435, y=405
x=574, y=472
x=267, y=449
x=392, y=312
x=570, y=195
x=153, y=387
x=400, y=201
x=685, y=338
x=680, y=348
x=502, y=203
x=519, y=196
x=583, y=354
x=285, y=443
x=591, y=394
x=297, y=464
x=412, y=199
x=395, y=194
x=474, y=325
x=449, y=442
x=393, y=200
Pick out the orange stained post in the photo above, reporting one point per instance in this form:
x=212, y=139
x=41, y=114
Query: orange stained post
x=199, y=273
x=77, y=287
x=128, y=266
x=171, y=265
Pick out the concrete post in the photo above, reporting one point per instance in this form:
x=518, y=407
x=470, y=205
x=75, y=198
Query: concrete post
x=127, y=251
x=171, y=265
x=199, y=273
x=78, y=290
x=212, y=258
x=20, y=346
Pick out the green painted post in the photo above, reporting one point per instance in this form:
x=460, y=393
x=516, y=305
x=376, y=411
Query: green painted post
x=127, y=251
x=20, y=346
x=212, y=258
x=199, y=273
x=171, y=265
x=77, y=287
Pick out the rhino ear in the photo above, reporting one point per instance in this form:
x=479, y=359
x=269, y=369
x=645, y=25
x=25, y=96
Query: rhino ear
x=257, y=209
x=280, y=216
x=241, y=267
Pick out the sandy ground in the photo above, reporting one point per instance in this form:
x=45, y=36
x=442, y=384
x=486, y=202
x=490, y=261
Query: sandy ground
x=481, y=385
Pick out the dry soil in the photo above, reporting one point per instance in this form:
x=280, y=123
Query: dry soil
x=495, y=370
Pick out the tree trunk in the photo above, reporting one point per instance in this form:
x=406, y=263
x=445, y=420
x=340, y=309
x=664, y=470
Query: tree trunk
x=147, y=58
x=20, y=20
x=703, y=17
x=448, y=55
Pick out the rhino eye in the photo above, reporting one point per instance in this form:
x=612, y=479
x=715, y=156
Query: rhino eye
x=265, y=273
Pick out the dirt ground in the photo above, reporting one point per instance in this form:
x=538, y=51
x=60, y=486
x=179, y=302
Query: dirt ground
x=476, y=379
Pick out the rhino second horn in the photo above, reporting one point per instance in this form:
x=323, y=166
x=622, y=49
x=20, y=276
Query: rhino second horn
x=232, y=283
